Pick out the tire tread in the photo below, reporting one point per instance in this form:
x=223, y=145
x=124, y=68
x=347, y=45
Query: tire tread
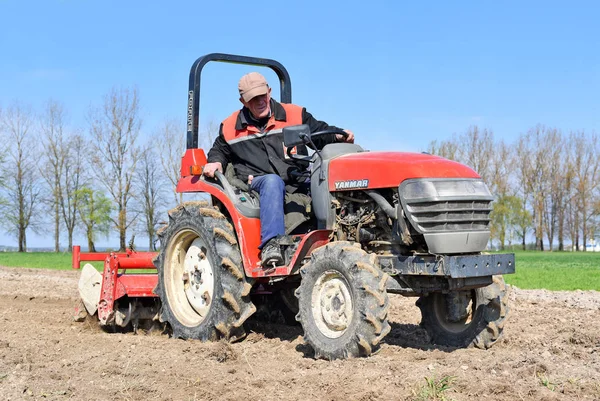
x=233, y=306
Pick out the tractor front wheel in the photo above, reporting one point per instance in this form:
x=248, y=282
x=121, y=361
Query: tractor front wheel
x=343, y=303
x=464, y=318
x=201, y=283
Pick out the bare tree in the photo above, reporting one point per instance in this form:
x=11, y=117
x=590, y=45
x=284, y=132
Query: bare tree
x=73, y=180
x=446, y=149
x=566, y=190
x=534, y=175
x=524, y=179
x=506, y=211
x=475, y=149
x=21, y=186
x=149, y=192
x=171, y=136
x=502, y=169
x=115, y=128
x=587, y=174
x=556, y=184
x=573, y=221
x=208, y=134
x=54, y=154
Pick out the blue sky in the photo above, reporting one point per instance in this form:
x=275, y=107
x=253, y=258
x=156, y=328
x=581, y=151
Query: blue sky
x=399, y=74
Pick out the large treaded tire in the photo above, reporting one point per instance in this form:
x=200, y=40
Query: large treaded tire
x=487, y=315
x=343, y=302
x=196, y=229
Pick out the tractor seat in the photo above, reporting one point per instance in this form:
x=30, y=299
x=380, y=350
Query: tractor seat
x=297, y=206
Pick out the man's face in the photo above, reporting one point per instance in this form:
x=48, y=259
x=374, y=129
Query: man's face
x=259, y=106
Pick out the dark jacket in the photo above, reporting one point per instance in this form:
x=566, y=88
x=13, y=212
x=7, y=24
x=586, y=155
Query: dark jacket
x=257, y=150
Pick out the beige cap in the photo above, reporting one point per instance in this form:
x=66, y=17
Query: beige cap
x=252, y=85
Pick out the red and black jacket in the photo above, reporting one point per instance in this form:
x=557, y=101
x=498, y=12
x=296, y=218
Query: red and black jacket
x=255, y=151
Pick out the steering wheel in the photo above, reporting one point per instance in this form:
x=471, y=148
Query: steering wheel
x=336, y=131
x=329, y=131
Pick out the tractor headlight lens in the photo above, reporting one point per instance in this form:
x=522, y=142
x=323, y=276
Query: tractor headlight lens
x=475, y=188
x=442, y=189
x=419, y=190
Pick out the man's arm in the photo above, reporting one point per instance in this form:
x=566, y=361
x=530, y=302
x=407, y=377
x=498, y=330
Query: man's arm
x=322, y=140
x=218, y=156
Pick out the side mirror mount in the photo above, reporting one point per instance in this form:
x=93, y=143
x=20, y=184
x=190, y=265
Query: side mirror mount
x=296, y=135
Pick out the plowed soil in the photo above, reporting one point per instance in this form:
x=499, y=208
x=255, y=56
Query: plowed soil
x=550, y=351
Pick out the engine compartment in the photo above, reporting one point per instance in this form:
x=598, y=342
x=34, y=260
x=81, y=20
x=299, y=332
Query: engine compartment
x=360, y=218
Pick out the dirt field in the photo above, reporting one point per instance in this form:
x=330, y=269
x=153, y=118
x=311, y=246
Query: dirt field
x=550, y=351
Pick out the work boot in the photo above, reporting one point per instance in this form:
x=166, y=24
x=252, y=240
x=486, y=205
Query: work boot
x=271, y=254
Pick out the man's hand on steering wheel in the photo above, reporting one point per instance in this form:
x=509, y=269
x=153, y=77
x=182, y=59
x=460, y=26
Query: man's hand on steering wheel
x=348, y=137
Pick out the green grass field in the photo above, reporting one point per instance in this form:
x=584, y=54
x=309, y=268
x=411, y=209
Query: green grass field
x=46, y=260
x=556, y=270
x=535, y=270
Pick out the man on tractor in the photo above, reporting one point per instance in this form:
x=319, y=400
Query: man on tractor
x=251, y=139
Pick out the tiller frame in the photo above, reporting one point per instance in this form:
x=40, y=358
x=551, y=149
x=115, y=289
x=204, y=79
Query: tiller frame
x=116, y=284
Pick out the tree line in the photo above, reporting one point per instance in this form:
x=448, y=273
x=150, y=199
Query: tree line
x=545, y=184
x=105, y=176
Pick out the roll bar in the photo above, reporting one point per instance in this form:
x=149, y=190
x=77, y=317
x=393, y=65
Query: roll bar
x=193, y=103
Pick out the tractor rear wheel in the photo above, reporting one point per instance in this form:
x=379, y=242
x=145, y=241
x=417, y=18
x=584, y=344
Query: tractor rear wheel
x=464, y=318
x=343, y=303
x=201, y=284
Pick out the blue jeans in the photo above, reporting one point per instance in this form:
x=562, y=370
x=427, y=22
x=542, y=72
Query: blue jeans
x=271, y=189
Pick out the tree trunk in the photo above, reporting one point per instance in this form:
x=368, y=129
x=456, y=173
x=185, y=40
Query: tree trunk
x=552, y=228
x=122, y=229
x=122, y=241
x=561, y=229
x=21, y=240
x=90, y=239
x=584, y=235
x=70, y=233
x=539, y=231
x=151, y=231
x=56, y=227
x=577, y=231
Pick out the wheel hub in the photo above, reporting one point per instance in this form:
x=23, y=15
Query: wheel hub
x=198, y=278
x=332, y=304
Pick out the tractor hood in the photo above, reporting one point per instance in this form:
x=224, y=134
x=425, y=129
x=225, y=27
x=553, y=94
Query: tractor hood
x=388, y=169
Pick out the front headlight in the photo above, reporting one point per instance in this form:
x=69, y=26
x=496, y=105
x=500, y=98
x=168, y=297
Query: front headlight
x=419, y=190
x=438, y=189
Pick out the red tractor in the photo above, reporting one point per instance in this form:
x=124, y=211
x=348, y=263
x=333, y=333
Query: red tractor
x=380, y=223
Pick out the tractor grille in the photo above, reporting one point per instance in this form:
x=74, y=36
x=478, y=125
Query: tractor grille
x=443, y=216
x=442, y=206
